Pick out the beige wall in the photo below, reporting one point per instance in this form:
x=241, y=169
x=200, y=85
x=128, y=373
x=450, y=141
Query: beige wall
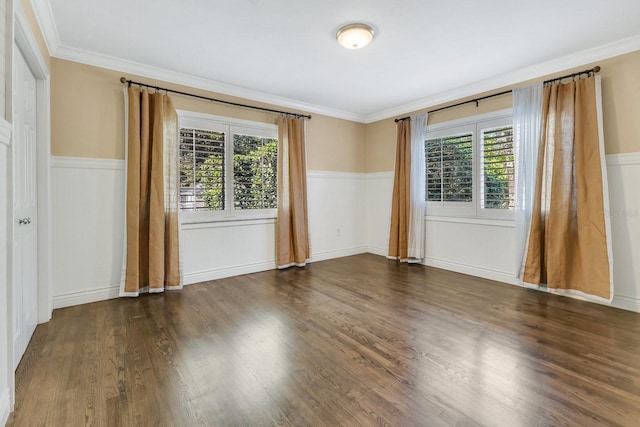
x=620, y=105
x=87, y=118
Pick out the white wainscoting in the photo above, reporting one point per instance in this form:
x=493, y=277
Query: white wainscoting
x=379, y=190
x=623, y=171
x=461, y=245
x=88, y=205
x=336, y=202
x=87, y=221
x=349, y=213
x=213, y=251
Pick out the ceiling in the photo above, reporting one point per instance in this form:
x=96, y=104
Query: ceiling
x=284, y=51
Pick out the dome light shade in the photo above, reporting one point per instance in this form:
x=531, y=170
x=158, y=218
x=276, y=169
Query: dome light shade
x=355, y=36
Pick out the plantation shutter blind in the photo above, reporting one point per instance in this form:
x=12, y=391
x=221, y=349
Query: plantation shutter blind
x=449, y=166
x=498, y=177
x=202, y=170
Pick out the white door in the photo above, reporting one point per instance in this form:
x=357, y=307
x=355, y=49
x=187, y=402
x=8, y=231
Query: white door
x=25, y=242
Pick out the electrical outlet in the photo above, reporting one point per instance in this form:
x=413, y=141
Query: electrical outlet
x=337, y=232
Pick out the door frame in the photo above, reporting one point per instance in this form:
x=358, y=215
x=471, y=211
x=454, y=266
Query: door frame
x=25, y=40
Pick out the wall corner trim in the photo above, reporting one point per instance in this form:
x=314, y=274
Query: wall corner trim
x=5, y=132
x=5, y=406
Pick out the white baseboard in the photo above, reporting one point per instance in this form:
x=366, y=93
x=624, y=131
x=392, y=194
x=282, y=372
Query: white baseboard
x=221, y=273
x=376, y=250
x=338, y=253
x=485, y=273
x=110, y=292
x=5, y=407
x=86, y=296
x=622, y=302
x=626, y=303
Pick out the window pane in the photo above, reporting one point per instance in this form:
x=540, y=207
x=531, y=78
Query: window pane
x=202, y=166
x=449, y=168
x=255, y=162
x=433, y=158
x=498, y=168
x=457, y=168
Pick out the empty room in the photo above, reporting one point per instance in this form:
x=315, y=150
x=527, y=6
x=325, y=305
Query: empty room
x=330, y=213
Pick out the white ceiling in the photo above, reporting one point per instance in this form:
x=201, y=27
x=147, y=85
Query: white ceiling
x=287, y=49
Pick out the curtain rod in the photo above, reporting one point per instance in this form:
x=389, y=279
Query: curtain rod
x=124, y=80
x=593, y=70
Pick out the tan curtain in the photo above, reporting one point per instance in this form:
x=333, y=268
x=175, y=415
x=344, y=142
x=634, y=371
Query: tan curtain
x=569, y=241
x=151, y=253
x=399, y=231
x=292, y=240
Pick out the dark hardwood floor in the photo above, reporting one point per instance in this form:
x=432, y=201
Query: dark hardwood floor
x=353, y=341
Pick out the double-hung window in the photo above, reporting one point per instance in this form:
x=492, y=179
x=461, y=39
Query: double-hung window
x=228, y=168
x=470, y=167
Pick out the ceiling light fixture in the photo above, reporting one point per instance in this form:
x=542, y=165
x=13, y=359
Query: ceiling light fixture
x=354, y=36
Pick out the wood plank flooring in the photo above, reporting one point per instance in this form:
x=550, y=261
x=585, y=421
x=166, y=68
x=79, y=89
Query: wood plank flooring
x=353, y=341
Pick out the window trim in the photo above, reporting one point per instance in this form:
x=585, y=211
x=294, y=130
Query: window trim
x=455, y=209
x=230, y=126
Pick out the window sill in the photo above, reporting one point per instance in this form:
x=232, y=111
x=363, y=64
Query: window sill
x=474, y=221
x=226, y=222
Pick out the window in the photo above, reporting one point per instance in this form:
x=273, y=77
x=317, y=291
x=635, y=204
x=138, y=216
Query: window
x=470, y=167
x=228, y=168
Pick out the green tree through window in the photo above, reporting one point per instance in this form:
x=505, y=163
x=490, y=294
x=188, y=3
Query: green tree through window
x=255, y=165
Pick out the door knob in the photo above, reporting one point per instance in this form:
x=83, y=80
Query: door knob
x=24, y=221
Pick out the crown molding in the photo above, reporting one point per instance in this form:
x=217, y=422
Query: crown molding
x=515, y=77
x=46, y=21
x=47, y=24
x=184, y=79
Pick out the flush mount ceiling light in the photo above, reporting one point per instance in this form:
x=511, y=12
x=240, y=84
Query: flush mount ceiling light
x=355, y=36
